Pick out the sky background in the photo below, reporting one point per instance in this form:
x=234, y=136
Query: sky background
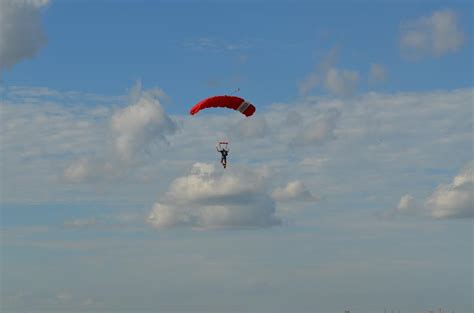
x=350, y=188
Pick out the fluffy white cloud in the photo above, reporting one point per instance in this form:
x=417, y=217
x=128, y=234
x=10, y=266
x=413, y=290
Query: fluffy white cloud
x=454, y=200
x=377, y=74
x=21, y=30
x=293, y=191
x=140, y=125
x=211, y=198
x=135, y=129
x=434, y=35
x=339, y=82
x=370, y=145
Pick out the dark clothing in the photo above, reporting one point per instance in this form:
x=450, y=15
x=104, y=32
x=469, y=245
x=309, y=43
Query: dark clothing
x=224, y=154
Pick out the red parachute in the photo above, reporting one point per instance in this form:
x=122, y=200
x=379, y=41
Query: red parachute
x=230, y=102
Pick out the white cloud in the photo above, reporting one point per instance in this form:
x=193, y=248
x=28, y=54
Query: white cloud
x=454, y=200
x=407, y=206
x=317, y=130
x=211, y=198
x=255, y=127
x=339, y=82
x=293, y=191
x=434, y=35
x=314, y=78
x=134, y=130
x=140, y=125
x=377, y=74
x=406, y=202
x=293, y=118
x=79, y=171
x=376, y=145
x=21, y=30
x=86, y=170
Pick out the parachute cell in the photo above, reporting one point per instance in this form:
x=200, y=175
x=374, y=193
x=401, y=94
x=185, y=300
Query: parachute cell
x=230, y=102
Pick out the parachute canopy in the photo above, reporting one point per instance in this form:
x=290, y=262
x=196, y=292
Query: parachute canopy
x=230, y=102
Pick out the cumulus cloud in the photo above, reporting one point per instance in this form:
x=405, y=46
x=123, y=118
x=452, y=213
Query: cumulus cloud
x=380, y=140
x=339, y=82
x=138, y=126
x=211, y=198
x=377, y=74
x=434, y=35
x=132, y=130
x=293, y=191
x=21, y=30
x=454, y=200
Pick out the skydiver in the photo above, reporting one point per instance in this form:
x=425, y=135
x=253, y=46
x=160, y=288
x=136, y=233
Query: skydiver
x=224, y=152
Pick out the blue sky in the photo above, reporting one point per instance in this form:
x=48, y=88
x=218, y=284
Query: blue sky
x=104, y=48
x=350, y=188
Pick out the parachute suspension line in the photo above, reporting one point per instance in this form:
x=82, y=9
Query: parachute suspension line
x=235, y=91
x=223, y=145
